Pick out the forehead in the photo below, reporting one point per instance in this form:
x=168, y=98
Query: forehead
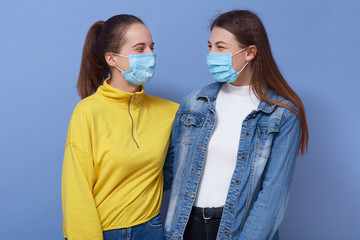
x=221, y=34
x=138, y=33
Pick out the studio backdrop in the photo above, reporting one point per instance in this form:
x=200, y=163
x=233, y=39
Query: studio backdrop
x=315, y=44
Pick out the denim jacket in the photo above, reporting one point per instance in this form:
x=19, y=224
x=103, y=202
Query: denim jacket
x=259, y=188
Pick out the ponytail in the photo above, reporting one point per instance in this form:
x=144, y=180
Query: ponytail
x=93, y=69
x=102, y=37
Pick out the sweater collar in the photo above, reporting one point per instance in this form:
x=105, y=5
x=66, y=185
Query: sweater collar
x=119, y=97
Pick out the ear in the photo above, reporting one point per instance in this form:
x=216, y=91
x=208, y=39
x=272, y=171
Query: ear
x=251, y=53
x=110, y=59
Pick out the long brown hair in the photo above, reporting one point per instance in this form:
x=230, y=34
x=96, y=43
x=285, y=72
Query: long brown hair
x=249, y=30
x=102, y=37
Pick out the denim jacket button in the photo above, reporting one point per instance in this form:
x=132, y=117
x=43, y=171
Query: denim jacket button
x=230, y=208
x=247, y=134
x=237, y=181
x=226, y=232
x=243, y=157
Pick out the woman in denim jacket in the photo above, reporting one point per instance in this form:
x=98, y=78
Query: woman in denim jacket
x=234, y=142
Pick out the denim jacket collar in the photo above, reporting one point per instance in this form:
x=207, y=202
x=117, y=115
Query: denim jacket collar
x=211, y=91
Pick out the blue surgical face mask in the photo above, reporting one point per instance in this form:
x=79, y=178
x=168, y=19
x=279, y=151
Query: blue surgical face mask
x=141, y=68
x=220, y=66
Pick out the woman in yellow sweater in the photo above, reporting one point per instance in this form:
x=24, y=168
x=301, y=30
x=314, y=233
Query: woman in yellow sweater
x=112, y=180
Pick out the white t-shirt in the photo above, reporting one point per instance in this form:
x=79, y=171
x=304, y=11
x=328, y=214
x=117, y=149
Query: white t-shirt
x=233, y=105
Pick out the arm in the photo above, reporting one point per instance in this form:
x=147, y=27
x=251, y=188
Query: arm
x=269, y=207
x=81, y=220
x=168, y=168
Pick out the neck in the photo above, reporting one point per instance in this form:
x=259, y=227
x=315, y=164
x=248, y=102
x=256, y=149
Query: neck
x=244, y=77
x=118, y=81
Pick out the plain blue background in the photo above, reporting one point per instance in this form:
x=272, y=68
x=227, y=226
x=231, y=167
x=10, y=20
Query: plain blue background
x=315, y=43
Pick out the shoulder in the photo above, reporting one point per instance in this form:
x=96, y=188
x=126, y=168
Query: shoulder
x=284, y=113
x=161, y=103
x=192, y=95
x=88, y=105
x=81, y=122
x=208, y=90
x=196, y=97
x=86, y=108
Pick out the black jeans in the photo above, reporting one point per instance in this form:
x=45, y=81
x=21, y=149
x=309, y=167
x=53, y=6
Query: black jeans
x=203, y=224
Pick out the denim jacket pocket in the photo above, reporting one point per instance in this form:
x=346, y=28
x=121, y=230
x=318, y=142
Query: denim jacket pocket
x=192, y=119
x=264, y=138
x=192, y=123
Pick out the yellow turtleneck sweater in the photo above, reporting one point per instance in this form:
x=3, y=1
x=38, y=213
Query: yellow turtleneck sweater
x=115, y=150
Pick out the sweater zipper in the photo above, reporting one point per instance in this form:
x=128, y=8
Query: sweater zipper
x=132, y=121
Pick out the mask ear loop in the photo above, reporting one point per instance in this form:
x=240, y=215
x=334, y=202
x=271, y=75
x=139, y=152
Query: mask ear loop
x=238, y=51
x=119, y=56
x=243, y=67
x=246, y=61
x=118, y=69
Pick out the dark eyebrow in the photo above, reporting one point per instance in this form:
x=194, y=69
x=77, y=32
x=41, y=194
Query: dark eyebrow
x=217, y=43
x=141, y=44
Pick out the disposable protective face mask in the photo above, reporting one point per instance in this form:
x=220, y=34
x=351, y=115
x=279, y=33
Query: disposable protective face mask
x=141, y=68
x=220, y=66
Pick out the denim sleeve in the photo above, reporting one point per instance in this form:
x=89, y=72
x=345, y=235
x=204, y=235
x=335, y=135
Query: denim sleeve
x=269, y=208
x=168, y=168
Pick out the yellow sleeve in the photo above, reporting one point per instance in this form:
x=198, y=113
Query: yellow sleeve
x=81, y=220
